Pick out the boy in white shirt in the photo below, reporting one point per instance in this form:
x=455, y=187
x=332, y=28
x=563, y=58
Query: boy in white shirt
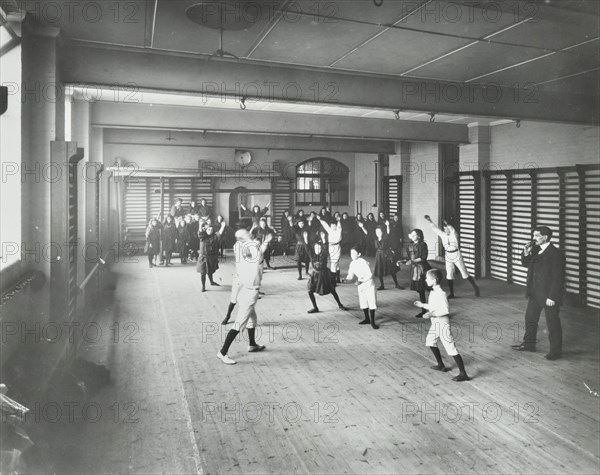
x=367, y=297
x=249, y=270
x=438, y=311
x=453, y=256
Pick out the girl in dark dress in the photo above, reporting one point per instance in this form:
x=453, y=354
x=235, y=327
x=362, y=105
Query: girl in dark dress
x=287, y=233
x=325, y=215
x=194, y=228
x=208, y=255
x=227, y=236
x=183, y=240
x=396, y=235
x=152, y=247
x=370, y=225
x=347, y=233
x=259, y=233
x=381, y=222
x=302, y=254
x=385, y=260
x=169, y=236
x=314, y=227
x=417, y=259
x=284, y=227
x=321, y=280
x=359, y=236
x=256, y=213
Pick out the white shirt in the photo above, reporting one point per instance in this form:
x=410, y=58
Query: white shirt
x=449, y=241
x=543, y=247
x=438, y=303
x=335, y=236
x=248, y=263
x=360, y=268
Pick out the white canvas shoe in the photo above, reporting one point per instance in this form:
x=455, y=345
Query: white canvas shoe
x=225, y=359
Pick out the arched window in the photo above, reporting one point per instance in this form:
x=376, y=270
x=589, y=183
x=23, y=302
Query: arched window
x=322, y=180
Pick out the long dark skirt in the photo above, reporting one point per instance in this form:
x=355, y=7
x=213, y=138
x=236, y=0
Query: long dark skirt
x=384, y=264
x=417, y=273
x=207, y=264
x=321, y=282
x=302, y=253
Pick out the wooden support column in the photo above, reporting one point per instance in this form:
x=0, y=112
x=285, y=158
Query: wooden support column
x=477, y=178
x=509, y=244
x=583, y=238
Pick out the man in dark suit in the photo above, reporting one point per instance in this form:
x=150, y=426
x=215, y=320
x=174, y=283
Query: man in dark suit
x=545, y=289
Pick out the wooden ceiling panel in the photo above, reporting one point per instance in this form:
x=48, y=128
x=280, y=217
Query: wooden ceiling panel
x=397, y=51
x=554, y=66
x=312, y=42
x=357, y=10
x=476, y=60
x=469, y=19
x=120, y=23
x=588, y=83
x=584, y=6
x=553, y=28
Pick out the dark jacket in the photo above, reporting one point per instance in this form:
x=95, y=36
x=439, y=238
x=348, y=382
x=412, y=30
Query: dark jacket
x=169, y=236
x=153, y=234
x=545, y=275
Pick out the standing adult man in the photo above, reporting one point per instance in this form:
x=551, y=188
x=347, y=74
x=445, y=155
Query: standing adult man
x=249, y=274
x=545, y=288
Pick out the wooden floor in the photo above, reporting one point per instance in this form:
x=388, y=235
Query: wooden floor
x=328, y=395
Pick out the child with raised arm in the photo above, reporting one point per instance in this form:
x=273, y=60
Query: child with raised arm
x=334, y=233
x=438, y=311
x=452, y=255
x=367, y=297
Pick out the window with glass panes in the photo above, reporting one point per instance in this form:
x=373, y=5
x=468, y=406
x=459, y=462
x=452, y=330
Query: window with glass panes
x=322, y=180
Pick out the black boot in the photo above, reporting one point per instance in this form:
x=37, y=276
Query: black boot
x=315, y=309
x=337, y=277
x=438, y=357
x=396, y=284
x=366, y=321
x=337, y=300
x=462, y=375
x=228, y=341
x=228, y=316
x=373, y=325
x=475, y=288
x=203, y=280
x=451, y=288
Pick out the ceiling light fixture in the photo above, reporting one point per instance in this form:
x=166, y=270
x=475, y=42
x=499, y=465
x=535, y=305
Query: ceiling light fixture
x=215, y=15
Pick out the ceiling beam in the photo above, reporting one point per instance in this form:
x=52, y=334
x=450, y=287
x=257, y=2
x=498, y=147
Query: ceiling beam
x=90, y=63
x=196, y=119
x=242, y=141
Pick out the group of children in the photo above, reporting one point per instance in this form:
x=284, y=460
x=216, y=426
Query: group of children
x=436, y=309
x=320, y=239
